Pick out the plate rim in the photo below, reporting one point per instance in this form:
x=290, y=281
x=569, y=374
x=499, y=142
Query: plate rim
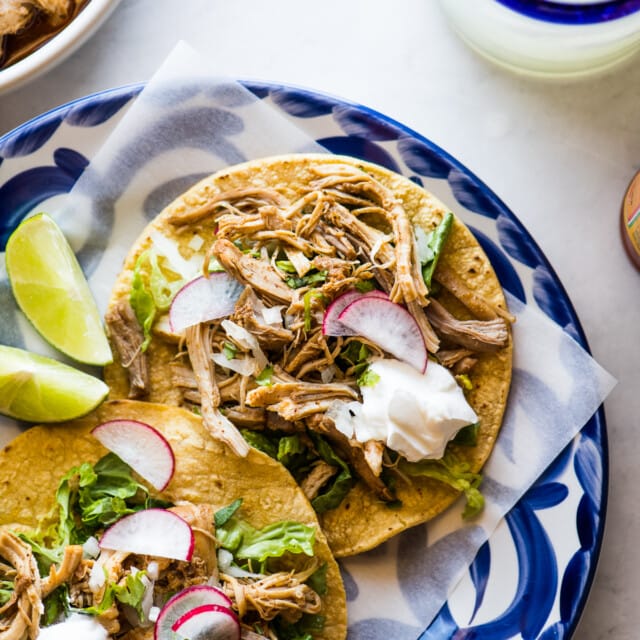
x=257, y=85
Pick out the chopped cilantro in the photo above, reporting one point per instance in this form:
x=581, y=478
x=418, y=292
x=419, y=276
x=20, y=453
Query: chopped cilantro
x=368, y=378
x=230, y=350
x=263, y=379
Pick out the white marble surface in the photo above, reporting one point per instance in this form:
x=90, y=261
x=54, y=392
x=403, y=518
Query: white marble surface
x=559, y=154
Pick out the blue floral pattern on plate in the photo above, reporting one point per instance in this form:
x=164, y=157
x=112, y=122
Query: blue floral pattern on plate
x=549, y=577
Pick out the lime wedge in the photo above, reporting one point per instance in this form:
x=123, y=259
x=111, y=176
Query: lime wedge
x=38, y=389
x=52, y=291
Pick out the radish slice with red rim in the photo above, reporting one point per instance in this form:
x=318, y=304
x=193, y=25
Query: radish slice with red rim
x=208, y=622
x=185, y=601
x=204, y=299
x=389, y=325
x=141, y=446
x=151, y=532
x=331, y=325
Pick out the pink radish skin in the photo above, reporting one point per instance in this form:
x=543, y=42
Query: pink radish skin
x=204, y=299
x=331, y=326
x=152, y=532
x=142, y=447
x=389, y=325
x=185, y=601
x=208, y=622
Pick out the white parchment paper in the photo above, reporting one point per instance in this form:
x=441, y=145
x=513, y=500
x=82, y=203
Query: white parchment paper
x=187, y=124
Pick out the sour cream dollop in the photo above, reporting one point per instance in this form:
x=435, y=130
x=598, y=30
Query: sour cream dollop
x=413, y=413
x=75, y=627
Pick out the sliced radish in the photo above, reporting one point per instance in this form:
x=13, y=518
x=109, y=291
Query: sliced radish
x=208, y=622
x=388, y=325
x=187, y=600
x=152, y=532
x=142, y=447
x=331, y=326
x=204, y=299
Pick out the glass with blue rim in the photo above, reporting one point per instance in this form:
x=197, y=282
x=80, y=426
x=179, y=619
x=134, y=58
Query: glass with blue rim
x=572, y=38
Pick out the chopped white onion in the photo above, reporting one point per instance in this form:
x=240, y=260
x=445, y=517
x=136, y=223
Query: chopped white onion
x=243, y=366
x=328, y=374
x=153, y=570
x=196, y=242
x=273, y=315
x=376, y=247
x=247, y=341
x=423, y=250
x=225, y=564
x=91, y=547
x=96, y=577
x=154, y=612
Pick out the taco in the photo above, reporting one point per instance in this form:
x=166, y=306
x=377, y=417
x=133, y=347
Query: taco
x=255, y=547
x=333, y=314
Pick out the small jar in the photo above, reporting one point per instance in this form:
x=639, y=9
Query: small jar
x=630, y=221
x=564, y=39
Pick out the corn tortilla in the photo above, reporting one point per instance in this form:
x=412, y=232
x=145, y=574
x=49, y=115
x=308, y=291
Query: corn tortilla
x=362, y=521
x=206, y=471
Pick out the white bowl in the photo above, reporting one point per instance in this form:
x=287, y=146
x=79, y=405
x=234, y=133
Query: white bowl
x=59, y=47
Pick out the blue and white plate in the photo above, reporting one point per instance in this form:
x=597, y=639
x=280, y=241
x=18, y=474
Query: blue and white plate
x=540, y=565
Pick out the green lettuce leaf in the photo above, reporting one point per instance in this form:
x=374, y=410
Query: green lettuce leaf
x=454, y=472
x=130, y=593
x=435, y=241
x=340, y=484
x=89, y=498
x=272, y=541
x=152, y=290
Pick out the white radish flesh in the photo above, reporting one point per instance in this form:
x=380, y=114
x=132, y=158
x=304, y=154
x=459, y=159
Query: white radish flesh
x=388, y=325
x=331, y=325
x=208, y=622
x=204, y=299
x=181, y=603
x=141, y=446
x=152, y=532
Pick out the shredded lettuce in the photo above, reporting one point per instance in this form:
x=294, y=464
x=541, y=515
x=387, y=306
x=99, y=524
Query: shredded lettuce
x=272, y=541
x=454, y=472
x=6, y=591
x=298, y=457
x=467, y=436
x=222, y=516
x=356, y=355
x=130, y=593
x=142, y=302
x=307, y=300
x=152, y=290
x=310, y=279
x=433, y=244
x=56, y=605
x=89, y=498
x=339, y=485
x=368, y=378
x=304, y=629
x=263, y=379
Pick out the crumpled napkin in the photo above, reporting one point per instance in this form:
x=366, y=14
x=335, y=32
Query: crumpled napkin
x=186, y=124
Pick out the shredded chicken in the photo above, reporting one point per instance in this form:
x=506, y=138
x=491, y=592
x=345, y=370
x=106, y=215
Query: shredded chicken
x=59, y=575
x=127, y=338
x=320, y=473
x=199, y=347
x=283, y=593
x=21, y=614
x=477, y=335
x=347, y=231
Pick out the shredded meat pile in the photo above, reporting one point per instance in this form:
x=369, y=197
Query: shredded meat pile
x=347, y=231
x=257, y=598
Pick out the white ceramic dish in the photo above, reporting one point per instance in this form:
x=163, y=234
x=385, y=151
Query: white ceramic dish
x=59, y=47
